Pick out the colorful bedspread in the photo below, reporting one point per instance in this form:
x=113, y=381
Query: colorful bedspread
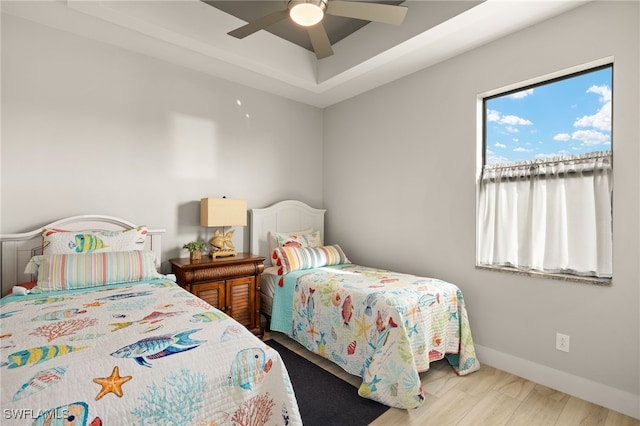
x=137, y=354
x=383, y=326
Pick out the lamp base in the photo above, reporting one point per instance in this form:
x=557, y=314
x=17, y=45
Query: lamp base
x=223, y=253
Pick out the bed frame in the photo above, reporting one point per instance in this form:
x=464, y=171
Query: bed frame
x=17, y=249
x=284, y=216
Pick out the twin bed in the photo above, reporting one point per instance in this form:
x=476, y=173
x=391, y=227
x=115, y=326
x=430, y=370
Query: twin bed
x=108, y=340
x=105, y=339
x=383, y=326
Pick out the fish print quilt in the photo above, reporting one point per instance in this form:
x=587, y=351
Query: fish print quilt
x=383, y=326
x=147, y=353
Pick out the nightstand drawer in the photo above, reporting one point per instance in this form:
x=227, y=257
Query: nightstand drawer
x=223, y=272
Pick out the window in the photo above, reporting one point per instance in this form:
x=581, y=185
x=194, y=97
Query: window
x=545, y=188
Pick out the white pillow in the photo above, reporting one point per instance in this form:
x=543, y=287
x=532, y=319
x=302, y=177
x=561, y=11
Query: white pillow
x=55, y=241
x=305, y=238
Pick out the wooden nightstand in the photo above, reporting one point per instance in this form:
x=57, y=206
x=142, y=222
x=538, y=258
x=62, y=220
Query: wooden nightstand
x=231, y=284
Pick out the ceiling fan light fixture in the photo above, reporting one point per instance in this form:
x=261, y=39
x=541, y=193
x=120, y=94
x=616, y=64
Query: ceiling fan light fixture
x=307, y=12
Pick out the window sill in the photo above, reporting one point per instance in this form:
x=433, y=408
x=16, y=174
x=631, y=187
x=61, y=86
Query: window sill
x=561, y=277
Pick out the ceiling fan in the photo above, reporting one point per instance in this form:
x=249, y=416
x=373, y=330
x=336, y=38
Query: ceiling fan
x=309, y=14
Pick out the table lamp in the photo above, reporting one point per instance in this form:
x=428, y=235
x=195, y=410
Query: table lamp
x=223, y=212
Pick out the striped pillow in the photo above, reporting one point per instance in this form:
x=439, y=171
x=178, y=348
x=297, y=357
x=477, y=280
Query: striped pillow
x=73, y=271
x=290, y=259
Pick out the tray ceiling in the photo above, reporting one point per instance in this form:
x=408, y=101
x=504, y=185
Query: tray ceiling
x=193, y=34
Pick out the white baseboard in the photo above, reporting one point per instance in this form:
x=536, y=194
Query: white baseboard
x=597, y=393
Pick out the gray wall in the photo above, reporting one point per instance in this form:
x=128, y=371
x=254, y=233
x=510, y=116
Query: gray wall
x=399, y=189
x=91, y=128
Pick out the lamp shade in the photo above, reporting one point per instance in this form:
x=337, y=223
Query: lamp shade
x=223, y=212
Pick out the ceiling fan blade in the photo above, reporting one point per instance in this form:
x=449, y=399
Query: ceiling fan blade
x=377, y=12
x=320, y=41
x=259, y=24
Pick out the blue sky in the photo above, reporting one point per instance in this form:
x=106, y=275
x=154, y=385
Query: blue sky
x=566, y=117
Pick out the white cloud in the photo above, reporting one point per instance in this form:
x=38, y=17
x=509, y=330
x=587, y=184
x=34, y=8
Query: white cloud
x=511, y=129
x=602, y=119
x=509, y=120
x=515, y=120
x=562, y=137
x=603, y=91
x=590, y=137
x=521, y=149
x=493, y=115
x=521, y=94
x=499, y=145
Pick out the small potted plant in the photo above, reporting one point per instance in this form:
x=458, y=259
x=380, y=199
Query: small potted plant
x=195, y=249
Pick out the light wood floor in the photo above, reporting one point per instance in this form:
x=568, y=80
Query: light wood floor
x=487, y=397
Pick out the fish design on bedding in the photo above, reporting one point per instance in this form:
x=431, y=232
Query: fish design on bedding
x=6, y=344
x=311, y=304
x=158, y=347
x=152, y=318
x=384, y=329
x=9, y=314
x=209, y=316
x=88, y=336
x=125, y=295
x=57, y=315
x=39, y=355
x=86, y=243
x=367, y=387
x=347, y=310
x=52, y=299
x=336, y=299
x=249, y=367
x=74, y=414
x=231, y=332
x=40, y=381
x=322, y=344
x=156, y=316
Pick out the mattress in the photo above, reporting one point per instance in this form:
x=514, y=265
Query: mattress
x=268, y=283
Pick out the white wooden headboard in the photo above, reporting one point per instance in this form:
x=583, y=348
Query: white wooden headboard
x=17, y=249
x=284, y=216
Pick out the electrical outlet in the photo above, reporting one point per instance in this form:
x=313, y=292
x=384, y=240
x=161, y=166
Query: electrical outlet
x=562, y=342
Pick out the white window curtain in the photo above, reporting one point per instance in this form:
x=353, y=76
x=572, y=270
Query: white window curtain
x=551, y=216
